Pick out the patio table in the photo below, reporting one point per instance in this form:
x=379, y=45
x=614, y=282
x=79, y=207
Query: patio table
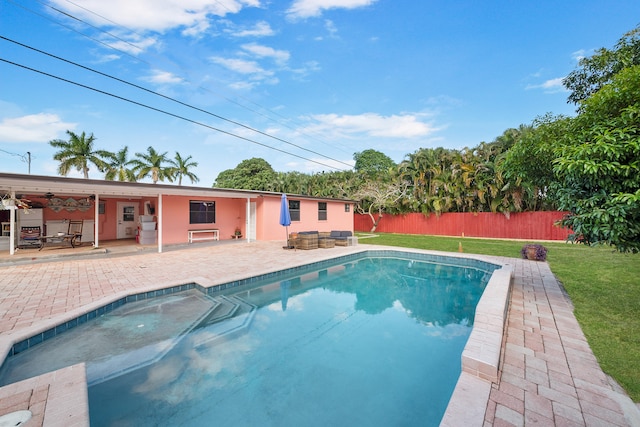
x=59, y=239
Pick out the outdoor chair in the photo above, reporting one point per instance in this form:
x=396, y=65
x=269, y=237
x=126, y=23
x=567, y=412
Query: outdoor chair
x=29, y=236
x=75, y=228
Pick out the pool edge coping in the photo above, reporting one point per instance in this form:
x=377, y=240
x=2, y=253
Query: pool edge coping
x=479, y=362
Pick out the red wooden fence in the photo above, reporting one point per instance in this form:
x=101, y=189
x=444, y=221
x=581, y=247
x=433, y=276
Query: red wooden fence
x=522, y=225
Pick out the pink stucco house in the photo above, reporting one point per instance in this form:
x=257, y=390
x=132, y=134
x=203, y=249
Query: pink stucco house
x=157, y=213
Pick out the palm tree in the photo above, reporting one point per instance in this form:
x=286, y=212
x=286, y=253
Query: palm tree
x=118, y=167
x=152, y=164
x=77, y=153
x=181, y=168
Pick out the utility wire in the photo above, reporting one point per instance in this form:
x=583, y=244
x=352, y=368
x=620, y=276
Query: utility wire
x=145, y=62
x=24, y=157
x=172, y=99
x=78, y=32
x=165, y=112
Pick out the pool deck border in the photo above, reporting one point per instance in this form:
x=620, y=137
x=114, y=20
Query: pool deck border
x=545, y=372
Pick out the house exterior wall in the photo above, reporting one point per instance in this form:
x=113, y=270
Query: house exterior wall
x=269, y=227
x=230, y=213
x=107, y=222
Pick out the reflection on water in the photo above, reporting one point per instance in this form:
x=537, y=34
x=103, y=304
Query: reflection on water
x=371, y=342
x=374, y=342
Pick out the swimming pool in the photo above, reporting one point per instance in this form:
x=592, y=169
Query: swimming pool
x=370, y=341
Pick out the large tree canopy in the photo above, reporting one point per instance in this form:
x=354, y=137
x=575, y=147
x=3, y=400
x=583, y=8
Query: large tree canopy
x=118, y=167
x=78, y=153
x=182, y=167
x=252, y=174
x=599, y=69
x=529, y=162
x=598, y=166
x=372, y=163
x=154, y=165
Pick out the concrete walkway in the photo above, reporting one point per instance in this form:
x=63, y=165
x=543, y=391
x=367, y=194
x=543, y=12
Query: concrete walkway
x=548, y=376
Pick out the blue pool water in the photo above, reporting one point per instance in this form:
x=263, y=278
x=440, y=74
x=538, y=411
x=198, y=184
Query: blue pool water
x=372, y=342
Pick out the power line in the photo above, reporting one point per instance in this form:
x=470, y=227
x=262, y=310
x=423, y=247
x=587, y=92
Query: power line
x=24, y=157
x=165, y=112
x=171, y=99
x=199, y=87
x=78, y=32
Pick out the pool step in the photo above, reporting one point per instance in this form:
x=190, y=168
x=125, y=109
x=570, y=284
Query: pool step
x=206, y=330
x=222, y=310
x=238, y=315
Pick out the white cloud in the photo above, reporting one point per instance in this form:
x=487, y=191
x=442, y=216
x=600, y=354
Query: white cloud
x=239, y=65
x=132, y=44
x=108, y=58
x=331, y=28
x=280, y=56
x=156, y=15
x=374, y=125
x=301, y=9
x=579, y=54
x=41, y=127
x=163, y=77
x=550, y=86
x=261, y=29
x=253, y=72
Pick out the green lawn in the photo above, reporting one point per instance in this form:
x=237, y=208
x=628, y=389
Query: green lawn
x=604, y=287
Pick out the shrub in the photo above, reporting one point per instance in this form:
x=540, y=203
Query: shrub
x=534, y=252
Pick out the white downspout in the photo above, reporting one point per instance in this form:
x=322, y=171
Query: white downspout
x=159, y=223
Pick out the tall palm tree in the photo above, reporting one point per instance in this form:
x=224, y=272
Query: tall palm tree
x=181, y=168
x=118, y=167
x=152, y=164
x=77, y=153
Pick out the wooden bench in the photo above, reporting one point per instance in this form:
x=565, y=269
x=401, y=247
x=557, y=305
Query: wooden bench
x=215, y=235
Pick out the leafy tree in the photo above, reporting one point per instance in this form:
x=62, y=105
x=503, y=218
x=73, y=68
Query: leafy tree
x=377, y=197
x=599, y=69
x=252, y=174
x=599, y=166
x=77, y=153
x=181, y=168
x=117, y=167
x=421, y=172
x=372, y=163
x=529, y=162
x=152, y=164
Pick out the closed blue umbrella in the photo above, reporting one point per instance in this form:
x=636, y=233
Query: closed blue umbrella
x=284, y=293
x=285, y=216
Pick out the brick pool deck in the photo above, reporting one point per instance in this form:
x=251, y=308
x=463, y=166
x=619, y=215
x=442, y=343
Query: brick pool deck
x=548, y=374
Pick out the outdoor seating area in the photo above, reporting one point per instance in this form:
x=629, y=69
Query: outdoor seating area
x=321, y=239
x=71, y=238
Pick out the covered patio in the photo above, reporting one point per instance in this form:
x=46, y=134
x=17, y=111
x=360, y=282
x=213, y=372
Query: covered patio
x=37, y=210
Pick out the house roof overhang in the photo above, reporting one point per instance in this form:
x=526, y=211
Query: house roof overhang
x=35, y=184
x=40, y=184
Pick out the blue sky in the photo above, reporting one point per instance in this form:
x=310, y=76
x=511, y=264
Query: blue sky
x=317, y=79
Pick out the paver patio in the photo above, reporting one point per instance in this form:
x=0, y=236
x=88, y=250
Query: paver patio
x=548, y=375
